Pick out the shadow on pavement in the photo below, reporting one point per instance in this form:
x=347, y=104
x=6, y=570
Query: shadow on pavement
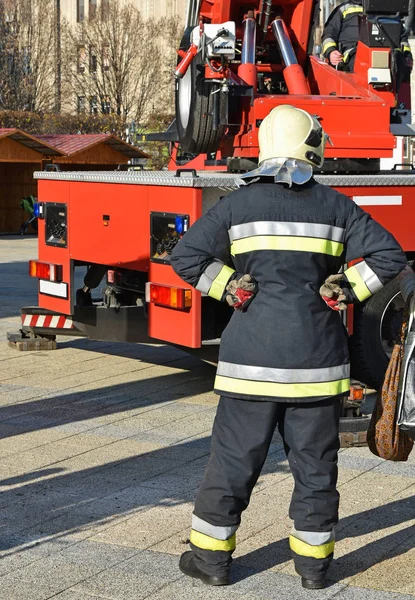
x=55, y=411
x=354, y=562
x=67, y=503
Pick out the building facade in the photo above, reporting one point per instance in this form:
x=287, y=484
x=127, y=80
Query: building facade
x=78, y=10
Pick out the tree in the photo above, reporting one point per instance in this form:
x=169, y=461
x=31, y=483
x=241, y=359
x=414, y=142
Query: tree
x=118, y=62
x=27, y=69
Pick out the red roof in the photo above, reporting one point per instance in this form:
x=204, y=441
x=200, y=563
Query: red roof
x=71, y=144
x=41, y=146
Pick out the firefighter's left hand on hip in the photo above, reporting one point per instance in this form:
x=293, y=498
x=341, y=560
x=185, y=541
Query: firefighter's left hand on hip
x=332, y=293
x=241, y=291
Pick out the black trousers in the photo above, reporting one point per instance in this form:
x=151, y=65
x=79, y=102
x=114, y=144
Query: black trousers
x=242, y=433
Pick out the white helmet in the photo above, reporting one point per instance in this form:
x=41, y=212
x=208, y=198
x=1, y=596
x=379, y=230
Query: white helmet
x=291, y=142
x=289, y=132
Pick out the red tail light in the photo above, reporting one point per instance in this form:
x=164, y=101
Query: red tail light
x=43, y=270
x=172, y=297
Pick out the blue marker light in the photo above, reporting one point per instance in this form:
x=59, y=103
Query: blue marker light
x=179, y=224
x=36, y=209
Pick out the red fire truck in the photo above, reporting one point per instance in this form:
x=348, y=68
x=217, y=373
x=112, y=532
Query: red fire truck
x=238, y=60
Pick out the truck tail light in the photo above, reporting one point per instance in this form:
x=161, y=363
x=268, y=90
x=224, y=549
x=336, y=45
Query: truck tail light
x=172, y=297
x=43, y=270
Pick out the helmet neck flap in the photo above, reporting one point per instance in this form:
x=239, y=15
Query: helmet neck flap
x=281, y=170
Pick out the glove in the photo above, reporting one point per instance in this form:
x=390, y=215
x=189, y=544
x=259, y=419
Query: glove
x=240, y=292
x=332, y=293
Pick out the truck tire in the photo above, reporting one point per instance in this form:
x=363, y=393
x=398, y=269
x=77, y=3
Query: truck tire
x=376, y=329
x=195, y=98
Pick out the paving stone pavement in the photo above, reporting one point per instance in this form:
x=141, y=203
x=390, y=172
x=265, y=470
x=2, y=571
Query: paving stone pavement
x=102, y=447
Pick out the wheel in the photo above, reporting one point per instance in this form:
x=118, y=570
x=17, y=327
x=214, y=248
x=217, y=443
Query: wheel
x=196, y=101
x=376, y=330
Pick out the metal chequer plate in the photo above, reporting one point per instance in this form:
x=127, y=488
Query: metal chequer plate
x=215, y=179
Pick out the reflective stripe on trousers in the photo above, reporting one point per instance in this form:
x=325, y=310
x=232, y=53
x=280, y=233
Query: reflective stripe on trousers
x=212, y=537
x=312, y=544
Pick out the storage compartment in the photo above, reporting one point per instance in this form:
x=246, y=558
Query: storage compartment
x=56, y=224
x=166, y=230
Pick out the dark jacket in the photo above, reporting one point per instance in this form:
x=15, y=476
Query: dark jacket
x=341, y=31
x=288, y=345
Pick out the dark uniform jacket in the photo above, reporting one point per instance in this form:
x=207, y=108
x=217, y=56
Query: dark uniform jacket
x=341, y=31
x=288, y=345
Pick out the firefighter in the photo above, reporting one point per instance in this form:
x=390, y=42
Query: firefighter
x=341, y=34
x=273, y=249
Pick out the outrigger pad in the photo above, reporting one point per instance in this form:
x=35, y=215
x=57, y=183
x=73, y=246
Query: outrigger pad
x=24, y=343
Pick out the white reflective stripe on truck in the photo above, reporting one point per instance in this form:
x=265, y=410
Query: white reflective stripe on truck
x=378, y=200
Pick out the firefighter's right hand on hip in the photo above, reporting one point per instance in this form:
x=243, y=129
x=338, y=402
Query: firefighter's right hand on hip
x=241, y=291
x=332, y=293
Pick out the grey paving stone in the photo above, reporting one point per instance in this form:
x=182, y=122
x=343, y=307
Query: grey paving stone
x=255, y=587
x=20, y=551
x=352, y=461
x=13, y=588
x=116, y=585
x=354, y=593
x=95, y=555
x=77, y=594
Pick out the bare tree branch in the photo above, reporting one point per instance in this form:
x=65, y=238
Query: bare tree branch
x=26, y=54
x=121, y=62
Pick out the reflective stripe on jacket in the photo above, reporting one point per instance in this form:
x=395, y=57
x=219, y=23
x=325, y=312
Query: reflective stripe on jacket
x=288, y=345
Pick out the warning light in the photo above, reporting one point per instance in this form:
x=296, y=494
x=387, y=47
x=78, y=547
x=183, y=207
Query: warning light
x=357, y=393
x=43, y=270
x=39, y=210
x=171, y=297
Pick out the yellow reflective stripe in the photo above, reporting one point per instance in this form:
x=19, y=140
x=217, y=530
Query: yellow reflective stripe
x=286, y=242
x=281, y=390
x=328, y=45
x=406, y=48
x=303, y=549
x=360, y=289
x=350, y=11
x=220, y=282
x=209, y=543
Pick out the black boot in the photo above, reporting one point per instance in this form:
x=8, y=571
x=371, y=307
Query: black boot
x=313, y=584
x=317, y=583
x=188, y=567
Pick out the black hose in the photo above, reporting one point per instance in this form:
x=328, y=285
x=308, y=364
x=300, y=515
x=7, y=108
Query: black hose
x=261, y=12
x=267, y=16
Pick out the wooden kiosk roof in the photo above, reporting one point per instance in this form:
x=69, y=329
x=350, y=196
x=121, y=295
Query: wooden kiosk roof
x=17, y=146
x=91, y=148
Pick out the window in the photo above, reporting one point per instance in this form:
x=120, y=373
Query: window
x=92, y=9
x=80, y=10
x=93, y=62
x=82, y=59
x=80, y=107
x=106, y=57
x=93, y=105
x=106, y=105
